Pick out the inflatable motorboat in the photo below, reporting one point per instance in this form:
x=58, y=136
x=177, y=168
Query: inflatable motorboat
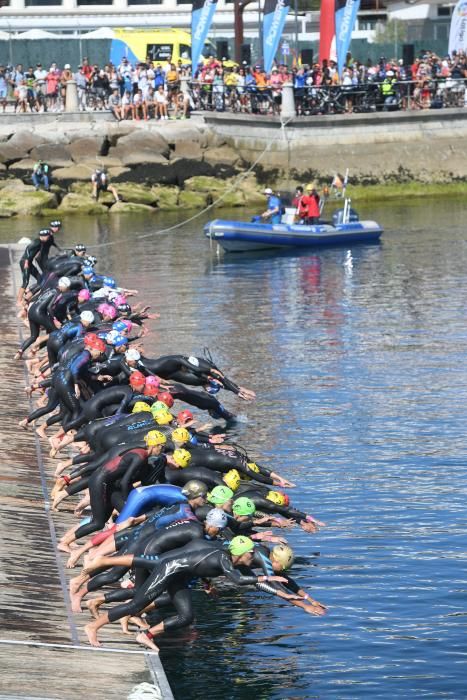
x=242, y=236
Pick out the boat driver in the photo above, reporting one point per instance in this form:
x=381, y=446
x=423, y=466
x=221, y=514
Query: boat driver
x=273, y=213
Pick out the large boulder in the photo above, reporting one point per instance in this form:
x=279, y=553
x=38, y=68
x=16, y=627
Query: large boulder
x=22, y=168
x=141, y=147
x=66, y=176
x=222, y=155
x=25, y=202
x=11, y=183
x=138, y=194
x=151, y=174
x=202, y=183
x=74, y=203
x=188, y=149
x=252, y=192
x=131, y=208
x=84, y=189
x=185, y=168
x=27, y=140
x=166, y=197
x=10, y=152
x=118, y=172
x=87, y=148
x=55, y=154
x=233, y=198
x=192, y=200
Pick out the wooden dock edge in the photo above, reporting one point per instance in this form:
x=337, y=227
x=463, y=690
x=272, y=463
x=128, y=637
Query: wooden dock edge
x=20, y=684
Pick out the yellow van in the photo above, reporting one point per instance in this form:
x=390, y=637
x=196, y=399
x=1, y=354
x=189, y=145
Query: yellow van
x=156, y=45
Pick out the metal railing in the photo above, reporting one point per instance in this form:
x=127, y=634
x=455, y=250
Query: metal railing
x=336, y=99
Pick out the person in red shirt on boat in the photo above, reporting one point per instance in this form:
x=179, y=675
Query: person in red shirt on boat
x=309, y=205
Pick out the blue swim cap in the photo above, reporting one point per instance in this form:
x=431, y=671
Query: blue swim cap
x=119, y=341
x=119, y=326
x=87, y=271
x=109, y=282
x=213, y=388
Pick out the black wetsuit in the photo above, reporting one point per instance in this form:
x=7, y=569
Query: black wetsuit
x=172, y=572
x=170, y=537
x=39, y=317
x=109, y=486
x=266, y=506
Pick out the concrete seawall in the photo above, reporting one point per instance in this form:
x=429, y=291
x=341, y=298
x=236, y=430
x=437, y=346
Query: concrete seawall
x=426, y=146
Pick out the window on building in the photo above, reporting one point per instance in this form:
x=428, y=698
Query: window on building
x=368, y=23
x=39, y=3
x=441, y=32
x=184, y=2
x=144, y=2
x=94, y=2
x=444, y=11
x=4, y=3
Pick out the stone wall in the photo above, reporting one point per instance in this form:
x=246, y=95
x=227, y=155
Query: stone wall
x=421, y=146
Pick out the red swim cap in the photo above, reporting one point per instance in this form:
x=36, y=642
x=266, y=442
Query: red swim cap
x=166, y=398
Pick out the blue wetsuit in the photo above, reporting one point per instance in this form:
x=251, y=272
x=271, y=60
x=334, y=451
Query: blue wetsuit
x=144, y=498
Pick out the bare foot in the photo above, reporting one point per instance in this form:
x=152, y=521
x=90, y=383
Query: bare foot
x=77, y=582
x=41, y=431
x=23, y=424
x=142, y=638
x=91, y=634
x=18, y=355
x=61, y=466
x=93, y=606
x=72, y=560
x=139, y=622
x=124, y=624
x=62, y=547
x=58, y=498
x=76, y=600
x=58, y=486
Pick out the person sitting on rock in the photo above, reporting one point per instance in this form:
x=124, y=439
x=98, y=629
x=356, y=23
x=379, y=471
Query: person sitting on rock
x=100, y=183
x=40, y=175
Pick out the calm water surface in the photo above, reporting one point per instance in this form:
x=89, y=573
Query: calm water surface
x=358, y=359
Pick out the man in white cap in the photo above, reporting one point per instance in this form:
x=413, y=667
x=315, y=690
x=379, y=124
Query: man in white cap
x=273, y=213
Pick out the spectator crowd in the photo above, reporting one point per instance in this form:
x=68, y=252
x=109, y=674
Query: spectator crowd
x=166, y=90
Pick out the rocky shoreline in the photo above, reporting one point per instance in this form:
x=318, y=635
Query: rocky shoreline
x=189, y=165
x=153, y=169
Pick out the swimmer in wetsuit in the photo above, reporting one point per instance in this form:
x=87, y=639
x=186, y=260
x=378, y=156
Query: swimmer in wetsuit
x=171, y=573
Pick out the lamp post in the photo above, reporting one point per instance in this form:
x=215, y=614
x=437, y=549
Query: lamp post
x=239, y=6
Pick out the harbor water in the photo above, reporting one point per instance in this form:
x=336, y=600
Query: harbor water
x=357, y=356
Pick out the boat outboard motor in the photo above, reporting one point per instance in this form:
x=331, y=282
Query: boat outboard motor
x=338, y=216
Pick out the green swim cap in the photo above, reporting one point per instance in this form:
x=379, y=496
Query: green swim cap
x=158, y=406
x=243, y=506
x=219, y=495
x=241, y=545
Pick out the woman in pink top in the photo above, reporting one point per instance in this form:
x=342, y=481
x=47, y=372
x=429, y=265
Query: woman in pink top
x=52, y=81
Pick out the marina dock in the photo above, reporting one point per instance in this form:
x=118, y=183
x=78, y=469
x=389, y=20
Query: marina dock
x=44, y=653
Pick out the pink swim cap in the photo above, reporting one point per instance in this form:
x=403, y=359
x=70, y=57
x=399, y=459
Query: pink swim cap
x=84, y=295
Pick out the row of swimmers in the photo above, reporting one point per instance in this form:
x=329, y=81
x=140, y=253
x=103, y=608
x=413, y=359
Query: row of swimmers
x=166, y=502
